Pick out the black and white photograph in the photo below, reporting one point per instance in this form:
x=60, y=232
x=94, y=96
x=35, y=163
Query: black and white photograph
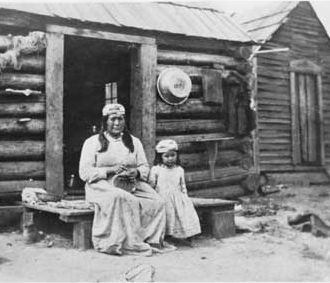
x=164, y=141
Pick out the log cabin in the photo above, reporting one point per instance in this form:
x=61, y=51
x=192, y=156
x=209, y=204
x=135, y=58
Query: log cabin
x=84, y=55
x=293, y=92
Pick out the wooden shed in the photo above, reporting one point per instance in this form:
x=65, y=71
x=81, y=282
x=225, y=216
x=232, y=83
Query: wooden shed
x=293, y=94
x=83, y=55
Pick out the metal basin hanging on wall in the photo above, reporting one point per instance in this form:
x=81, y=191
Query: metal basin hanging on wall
x=174, y=86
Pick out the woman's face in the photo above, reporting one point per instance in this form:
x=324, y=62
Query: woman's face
x=169, y=158
x=115, y=124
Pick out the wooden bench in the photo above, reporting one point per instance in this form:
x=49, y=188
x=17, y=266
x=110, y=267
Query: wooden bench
x=218, y=215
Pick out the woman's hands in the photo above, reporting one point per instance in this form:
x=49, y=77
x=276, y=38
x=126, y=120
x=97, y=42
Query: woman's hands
x=130, y=173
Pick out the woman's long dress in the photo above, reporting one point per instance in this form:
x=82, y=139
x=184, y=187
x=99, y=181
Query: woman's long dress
x=123, y=222
x=181, y=217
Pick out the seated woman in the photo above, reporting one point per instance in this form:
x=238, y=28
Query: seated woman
x=124, y=222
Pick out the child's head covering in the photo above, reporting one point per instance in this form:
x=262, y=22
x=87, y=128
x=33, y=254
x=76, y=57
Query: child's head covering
x=113, y=108
x=166, y=145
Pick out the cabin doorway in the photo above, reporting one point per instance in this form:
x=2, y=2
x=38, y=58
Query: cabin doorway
x=307, y=118
x=95, y=72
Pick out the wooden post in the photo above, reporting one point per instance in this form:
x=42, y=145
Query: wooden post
x=54, y=113
x=143, y=96
x=82, y=235
x=294, y=126
x=320, y=114
x=255, y=135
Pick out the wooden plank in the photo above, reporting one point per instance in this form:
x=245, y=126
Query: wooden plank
x=60, y=211
x=90, y=33
x=265, y=126
x=172, y=126
x=22, y=150
x=21, y=109
x=16, y=186
x=274, y=120
x=272, y=114
x=272, y=147
x=143, y=97
x=22, y=81
x=14, y=126
x=180, y=57
x=273, y=160
x=22, y=170
x=54, y=115
x=320, y=118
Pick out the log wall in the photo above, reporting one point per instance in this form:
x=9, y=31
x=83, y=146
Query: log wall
x=195, y=119
x=22, y=123
x=307, y=39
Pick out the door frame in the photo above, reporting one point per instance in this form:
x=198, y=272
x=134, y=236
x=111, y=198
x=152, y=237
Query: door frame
x=305, y=66
x=143, y=112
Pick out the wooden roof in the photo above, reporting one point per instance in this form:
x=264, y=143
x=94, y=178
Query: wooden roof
x=263, y=22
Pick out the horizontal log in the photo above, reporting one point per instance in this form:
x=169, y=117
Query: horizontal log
x=17, y=186
x=181, y=126
x=29, y=64
x=192, y=108
x=11, y=126
x=18, y=109
x=17, y=97
x=22, y=150
x=289, y=167
x=225, y=192
x=196, y=160
x=192, y=71
x=196, y=137
x=22, y=81
x=180, y=57
x=22, y=170
x=202, y=175
x=225, y=181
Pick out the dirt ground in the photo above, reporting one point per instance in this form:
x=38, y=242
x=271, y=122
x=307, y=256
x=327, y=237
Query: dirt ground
x=273, y=252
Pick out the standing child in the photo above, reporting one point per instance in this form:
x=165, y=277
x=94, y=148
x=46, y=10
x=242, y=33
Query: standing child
x=167, y=178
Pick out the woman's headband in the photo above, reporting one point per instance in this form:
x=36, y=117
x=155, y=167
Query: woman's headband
x=114, y=108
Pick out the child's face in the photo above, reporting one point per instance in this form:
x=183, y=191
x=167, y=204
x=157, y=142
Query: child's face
x=169, y=158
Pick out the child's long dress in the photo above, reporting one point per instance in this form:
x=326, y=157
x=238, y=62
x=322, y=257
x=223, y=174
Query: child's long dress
x=181, y=217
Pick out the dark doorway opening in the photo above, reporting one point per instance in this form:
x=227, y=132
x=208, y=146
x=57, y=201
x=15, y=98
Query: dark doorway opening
x=95, y=71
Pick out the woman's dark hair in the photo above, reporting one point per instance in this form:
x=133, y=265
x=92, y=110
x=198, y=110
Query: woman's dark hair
x=158, y=158
x=127, y=138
